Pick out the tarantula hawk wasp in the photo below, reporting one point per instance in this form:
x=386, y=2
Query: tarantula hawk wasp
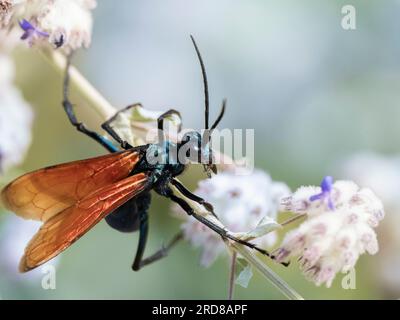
x=71, y=198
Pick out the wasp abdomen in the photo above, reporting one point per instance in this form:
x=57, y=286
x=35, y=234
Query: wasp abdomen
x=126, y=217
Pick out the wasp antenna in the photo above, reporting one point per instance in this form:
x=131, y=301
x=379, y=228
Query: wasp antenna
x=206, y=95
x=220, y=116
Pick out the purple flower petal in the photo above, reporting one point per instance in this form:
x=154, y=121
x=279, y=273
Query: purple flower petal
x=325, y=195
x=327, y=184
x=42, y=33
x=31, y=31
x=26, y=25
x=26, y=35
x=317, y=197
x=331, y=206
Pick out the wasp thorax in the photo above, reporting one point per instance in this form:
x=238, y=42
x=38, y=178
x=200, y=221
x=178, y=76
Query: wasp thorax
x=194, y=148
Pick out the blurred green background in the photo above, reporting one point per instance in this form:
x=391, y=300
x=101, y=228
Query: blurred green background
x=314, y=93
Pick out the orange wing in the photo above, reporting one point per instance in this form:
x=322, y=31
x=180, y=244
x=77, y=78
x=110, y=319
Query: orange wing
x=59, y=232
x=44, y=193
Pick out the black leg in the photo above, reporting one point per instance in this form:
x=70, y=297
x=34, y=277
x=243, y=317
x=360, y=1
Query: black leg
x=68, y=107
x=124, y=144
x=162, y=253
x=160, y=120
x=192, y=196
x=221, y=231
x=107, y=127
x=139, y=262
x=160, y=124
x=143, y=232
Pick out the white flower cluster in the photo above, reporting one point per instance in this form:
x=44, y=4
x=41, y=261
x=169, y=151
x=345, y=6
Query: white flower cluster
x=15, y=118
x=63, y=23
x=240, y=202
x=382, y=172
x=338, y=229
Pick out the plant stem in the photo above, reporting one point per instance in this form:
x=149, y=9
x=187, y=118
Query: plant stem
x=293, y=219
x=277, y=281
x=232, y=271
x=97, y=102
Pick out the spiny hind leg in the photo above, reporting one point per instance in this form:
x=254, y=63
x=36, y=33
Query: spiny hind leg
x=139, y=262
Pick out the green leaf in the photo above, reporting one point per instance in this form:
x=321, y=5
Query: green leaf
x=265, y=226
x=244, y=273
